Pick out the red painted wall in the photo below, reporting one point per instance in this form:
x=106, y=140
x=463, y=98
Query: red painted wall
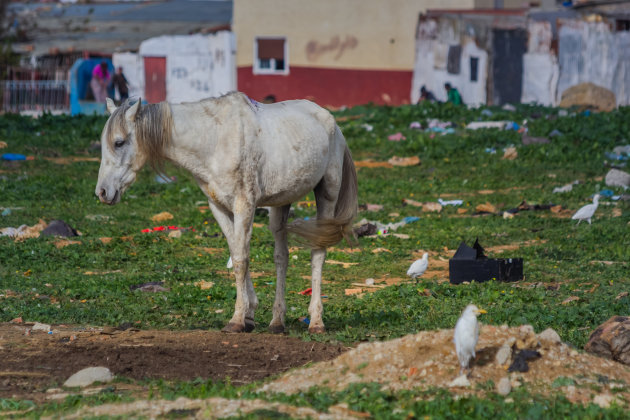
x=329, y=87
x=155, y=79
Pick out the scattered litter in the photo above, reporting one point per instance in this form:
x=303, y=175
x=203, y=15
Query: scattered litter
x=350, y=292
x=570, y=299
x=396, y=137
x=62, y=243
x=527, y=140
x=70, y=159
x=487, y=113
x=470, y=264
x=370, y=163
x=411, y=202
x=486, y=208
x=617, y=178
x=511, y=125
x=152, y=286
x=415, y=125
x=175, y=234
x=432, y=207
x=161, y=217
x=366, y=229
x=166, y=228
x=491, y=150
x=13, y=156
x=41, y=327
x=520, y=360
x=382, y=228
x=563, y=113
x=204, y=285
x=606, y=193
x=24, y=231
x=555, y=133
x=369, y=282
x=437, y=125
x=379, y=250
x=450, y=202
x=6, y=212
x=367, y=127
x=97, y=217
x=3, y=144
x=371, y=207
x=59, y=228
x=404, y=161
x=163, y=179
x=615, y=156
x=510, y=153
x=462, y=211
x=566, y=188
x=509, y=107
x=622, y=150
x=476, y=125
x=305, y=320
x=342, y=263
x=508, y=215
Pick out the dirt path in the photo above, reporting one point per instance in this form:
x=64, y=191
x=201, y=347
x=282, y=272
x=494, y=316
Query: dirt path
x=30, y=364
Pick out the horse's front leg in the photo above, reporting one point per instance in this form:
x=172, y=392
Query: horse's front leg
x=237, y=228
x=278, y=225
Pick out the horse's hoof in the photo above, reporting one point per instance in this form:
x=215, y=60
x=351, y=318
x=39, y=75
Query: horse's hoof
x=233, y=327
x=250, y=325
x=276, y=329
x=316, y=329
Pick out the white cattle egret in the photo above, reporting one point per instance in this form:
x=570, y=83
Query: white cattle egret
x=229, y=263
x=466, y=336
x=586, y=212
x=419, y=266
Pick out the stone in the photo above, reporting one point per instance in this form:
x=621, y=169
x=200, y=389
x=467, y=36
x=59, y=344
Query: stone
x=603, y=400
x=617, y=178
x=590, y=96
x=611, y=340
x=59, y=228
x=504, y=387
x=550, y=336
x=41, y=327
x=503, y=355
x=88, y=376
x=459, y=382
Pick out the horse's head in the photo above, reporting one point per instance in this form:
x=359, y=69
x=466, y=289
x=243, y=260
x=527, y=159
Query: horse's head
x=121, y=155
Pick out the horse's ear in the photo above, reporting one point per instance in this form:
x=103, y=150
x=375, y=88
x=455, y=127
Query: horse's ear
x=132, y=112
x=111, y=106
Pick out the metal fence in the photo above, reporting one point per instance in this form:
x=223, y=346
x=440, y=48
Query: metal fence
x=34, y=95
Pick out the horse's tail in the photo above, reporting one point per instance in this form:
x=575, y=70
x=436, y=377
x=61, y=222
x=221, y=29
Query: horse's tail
x=322, y=233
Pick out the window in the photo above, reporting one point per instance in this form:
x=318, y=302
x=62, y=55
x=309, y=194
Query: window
x=474, y=69
x=623, y=25
x=270, y=56
x=452, y=61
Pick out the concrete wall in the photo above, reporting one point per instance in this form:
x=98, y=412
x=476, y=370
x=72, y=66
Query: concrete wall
x=197, y=66
x=434, y=40
x=591, y=52
x=540, y=66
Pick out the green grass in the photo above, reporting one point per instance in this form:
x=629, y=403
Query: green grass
x=46, y=284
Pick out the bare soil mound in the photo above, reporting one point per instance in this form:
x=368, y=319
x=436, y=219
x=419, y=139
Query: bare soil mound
x=428, y=359
x=37, y=361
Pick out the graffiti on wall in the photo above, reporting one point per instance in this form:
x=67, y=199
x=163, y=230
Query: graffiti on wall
x=336, y=46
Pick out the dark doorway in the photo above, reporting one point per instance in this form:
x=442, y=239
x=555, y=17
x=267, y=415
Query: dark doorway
x=508, y=47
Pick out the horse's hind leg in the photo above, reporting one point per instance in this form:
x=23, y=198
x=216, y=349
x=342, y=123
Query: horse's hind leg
x=326, y=194
x=278, y=225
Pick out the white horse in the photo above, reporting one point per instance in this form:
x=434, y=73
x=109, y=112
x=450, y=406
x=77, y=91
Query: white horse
x=244, y=155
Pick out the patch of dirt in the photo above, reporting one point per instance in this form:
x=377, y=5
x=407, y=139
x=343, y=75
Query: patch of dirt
x=30, y=364
x=428, y=359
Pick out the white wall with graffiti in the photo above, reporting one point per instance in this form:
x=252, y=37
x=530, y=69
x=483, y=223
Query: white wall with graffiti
x=197, y=66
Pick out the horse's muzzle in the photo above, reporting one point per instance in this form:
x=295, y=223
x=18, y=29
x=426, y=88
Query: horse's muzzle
x=102, y=196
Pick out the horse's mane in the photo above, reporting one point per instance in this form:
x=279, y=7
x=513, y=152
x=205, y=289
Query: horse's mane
x=153, y=129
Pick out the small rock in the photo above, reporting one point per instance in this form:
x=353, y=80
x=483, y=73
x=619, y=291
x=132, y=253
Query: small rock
x=617, y=178
x=503, y=355
x=41, y=327
x=504, y=386
x=459, y=382
x=510, y=342
x=88, y=376
x=526, y=330
x=550, y=335
x=175, y=234
x=59, y=228
x=611, y=339
x=369, y=282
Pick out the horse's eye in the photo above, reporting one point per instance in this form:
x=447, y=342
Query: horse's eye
x=119, y=143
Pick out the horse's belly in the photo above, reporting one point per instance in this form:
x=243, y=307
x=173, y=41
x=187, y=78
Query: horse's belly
x=280, y=189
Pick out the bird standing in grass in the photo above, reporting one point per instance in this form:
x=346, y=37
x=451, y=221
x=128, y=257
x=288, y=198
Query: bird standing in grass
x=466, y=336
x=586, y=212
x=419, y=266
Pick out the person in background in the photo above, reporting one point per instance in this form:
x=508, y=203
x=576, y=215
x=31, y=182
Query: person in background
x=99, y=82
x=120, y=82
x=269, y=99
x=453, y=94
x=426, y=95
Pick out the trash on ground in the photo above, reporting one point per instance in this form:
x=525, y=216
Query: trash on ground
x=487, y=113
x=470, y=264
x=510, y=153
x=555, y=133
x=40, y=327
x=370, y=163
x=350, y=292
x=371, y=207
x=59, y=228
x=204, y=285
x=491, y=150
x=6, y=212
x=565, y=188
x=520, y=360
x=344, y=264
x=415, y=125
x=13, y=156
x=617, y=178
x=163, y=179
x=306, y=292
x=161, y=217
x=367, y=127
x=485, y=208
x=24, y=231
x=606, y=193
x=382, y=228
x=166, y=228
x=622, y=150
x=432, y=207
x=62, y=243
x=437, y=125
x=3, y=144
x=152, y=286
x=476, y=125
x=396, y=137
x=404, y=161
x=527, y=140
x=305, y=320
x=409, y=201
x=97, y=217
x=366, y=229
x=450, y=202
